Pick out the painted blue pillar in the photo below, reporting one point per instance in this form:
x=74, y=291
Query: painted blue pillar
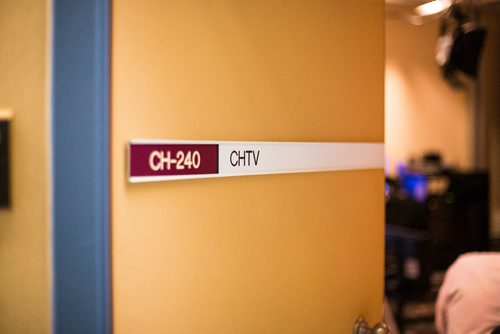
x=80, y=129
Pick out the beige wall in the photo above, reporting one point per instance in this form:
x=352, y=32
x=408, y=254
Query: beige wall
x=490, y=101
x=261, y=254
x=422, y=112
x=24, y=228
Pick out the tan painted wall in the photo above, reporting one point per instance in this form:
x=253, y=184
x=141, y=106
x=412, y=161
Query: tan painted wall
x=296, y=253
x=24, y=229
x=422, y=111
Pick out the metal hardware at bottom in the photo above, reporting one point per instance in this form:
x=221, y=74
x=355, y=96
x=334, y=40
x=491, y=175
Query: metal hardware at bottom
x=361, y=327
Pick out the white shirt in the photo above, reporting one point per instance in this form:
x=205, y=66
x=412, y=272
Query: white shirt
x=469, y=299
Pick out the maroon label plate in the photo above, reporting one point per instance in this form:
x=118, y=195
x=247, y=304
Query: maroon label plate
x=173, y=159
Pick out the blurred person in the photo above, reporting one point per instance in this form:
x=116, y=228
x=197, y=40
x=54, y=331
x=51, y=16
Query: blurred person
x=469, y=299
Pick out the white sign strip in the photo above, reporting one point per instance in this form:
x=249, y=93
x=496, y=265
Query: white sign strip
x=159, y=160
x=270, y=158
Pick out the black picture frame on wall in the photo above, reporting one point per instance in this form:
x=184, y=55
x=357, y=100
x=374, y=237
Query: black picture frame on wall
x=4, y=165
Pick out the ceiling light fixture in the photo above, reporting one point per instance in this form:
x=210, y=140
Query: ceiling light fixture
x=433, y=7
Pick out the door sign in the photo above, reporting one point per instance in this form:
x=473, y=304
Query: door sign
x=162, y=160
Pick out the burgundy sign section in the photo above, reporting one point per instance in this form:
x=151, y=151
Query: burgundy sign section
x=173, y=159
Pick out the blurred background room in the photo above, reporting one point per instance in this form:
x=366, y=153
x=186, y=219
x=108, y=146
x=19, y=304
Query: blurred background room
x=442, y=136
